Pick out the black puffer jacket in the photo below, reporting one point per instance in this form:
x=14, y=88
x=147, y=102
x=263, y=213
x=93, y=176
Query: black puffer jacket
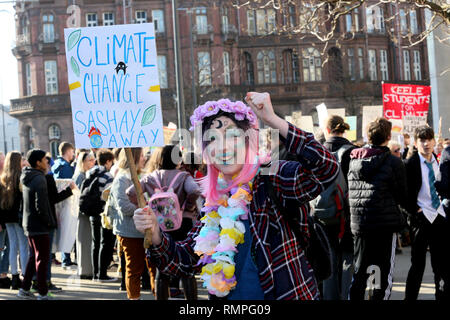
x=37, y=213
x=377, y=185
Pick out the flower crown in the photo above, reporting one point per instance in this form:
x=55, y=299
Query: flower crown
x=241, y=111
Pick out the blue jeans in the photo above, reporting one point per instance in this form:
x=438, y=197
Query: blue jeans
x=18, y=244
x=4, y=254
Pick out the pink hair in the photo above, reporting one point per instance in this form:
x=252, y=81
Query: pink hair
x=247, y=173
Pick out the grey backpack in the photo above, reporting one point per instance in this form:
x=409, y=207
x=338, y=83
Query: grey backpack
x=329, y=206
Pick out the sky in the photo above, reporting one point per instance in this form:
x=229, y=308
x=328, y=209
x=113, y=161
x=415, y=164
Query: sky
x=9, y=85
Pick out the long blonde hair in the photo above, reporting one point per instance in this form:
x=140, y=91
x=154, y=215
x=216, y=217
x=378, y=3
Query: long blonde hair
x=10, y=179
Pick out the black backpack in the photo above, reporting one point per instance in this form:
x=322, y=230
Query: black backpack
x=91, y=203
x=317, y=249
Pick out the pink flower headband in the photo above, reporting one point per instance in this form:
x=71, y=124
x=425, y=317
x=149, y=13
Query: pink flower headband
x=210, y=108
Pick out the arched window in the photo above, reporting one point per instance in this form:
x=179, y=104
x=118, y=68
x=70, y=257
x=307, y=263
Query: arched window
x=54, y=136
x=266, y=65
x=54, y=133
x=30, y=136
x=48, y=28
x=250, y=75
x=290, y=73
x=312, y=65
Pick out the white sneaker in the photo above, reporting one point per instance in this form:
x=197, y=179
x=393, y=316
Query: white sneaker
x=24, y=294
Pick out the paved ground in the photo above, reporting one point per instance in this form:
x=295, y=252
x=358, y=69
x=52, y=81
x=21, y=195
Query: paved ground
x=76, y=289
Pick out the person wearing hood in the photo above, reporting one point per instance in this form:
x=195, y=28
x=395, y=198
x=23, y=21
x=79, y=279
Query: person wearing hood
x=377, y=186
x=38, y=221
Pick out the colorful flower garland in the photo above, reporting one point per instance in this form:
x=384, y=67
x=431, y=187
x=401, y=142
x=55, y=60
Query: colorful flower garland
x=220, y=235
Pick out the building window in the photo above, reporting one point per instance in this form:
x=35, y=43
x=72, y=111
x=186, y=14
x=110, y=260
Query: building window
x=307, y=21
x=225, y=21
x=204, y=69
x=351, y=64
x=28, y=79
x=54, y=136
x=361, y=63
x=226, y=69
x=372, y=65
x=413, y=22
x=375, y=19
x=54, y=133
x=48, y=28
x=266, y=66
x=158, y=20
x=201, y=20
x=406, y=65
x=292, y=16
x=30, y=135
x=261, y=21
x=416, y=65
x=91, y=20
x=352, y=21
x=290, y=66
x=162, y=69
x=250, y=75
x=384, y=65
x=403, y=22
x=312, y=65
x=108, y=19
x=24, y=24
x=141, y=16
x=51, y=77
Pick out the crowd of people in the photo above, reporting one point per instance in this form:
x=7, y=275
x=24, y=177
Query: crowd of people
x=248, y=235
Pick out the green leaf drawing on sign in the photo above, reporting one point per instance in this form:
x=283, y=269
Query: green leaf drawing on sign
x=149, y=115
x=73, y=39
x=75, y=67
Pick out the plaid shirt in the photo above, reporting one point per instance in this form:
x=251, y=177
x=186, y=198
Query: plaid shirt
x=284, y=271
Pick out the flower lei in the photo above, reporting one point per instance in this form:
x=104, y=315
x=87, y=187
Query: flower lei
x=219, y=237
x=240, y=110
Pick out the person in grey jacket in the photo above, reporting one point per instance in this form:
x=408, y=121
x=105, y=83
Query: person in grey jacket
x=38, y=221
x=121, y=211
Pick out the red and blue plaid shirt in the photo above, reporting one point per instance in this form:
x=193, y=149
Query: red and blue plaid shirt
x=284, y=271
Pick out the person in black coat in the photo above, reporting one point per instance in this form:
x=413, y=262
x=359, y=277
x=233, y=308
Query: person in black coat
x=377, y=186
x=427, y=218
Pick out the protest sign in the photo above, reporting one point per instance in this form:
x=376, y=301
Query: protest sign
x=410, y=123
x=307, y=124
x=114, y=86
x=351, y=134
x=401, y=100
x=322, y=113
x=296, y=118
x=370, y=113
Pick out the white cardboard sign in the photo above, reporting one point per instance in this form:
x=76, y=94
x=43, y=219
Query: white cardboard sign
x=114, y=86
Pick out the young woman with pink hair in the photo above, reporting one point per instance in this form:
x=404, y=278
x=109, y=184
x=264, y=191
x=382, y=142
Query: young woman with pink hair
x=242, y=245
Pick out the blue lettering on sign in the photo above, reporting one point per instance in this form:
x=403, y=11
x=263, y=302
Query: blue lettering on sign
x=99, y=121
x=138, y=86
x=141, y=134
x=111, y=140
x=155, y=134
x=79, y=121
x=146, y=50
x=78, y=51
x=120, y=44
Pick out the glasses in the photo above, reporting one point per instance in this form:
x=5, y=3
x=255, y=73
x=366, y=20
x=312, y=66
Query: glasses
x=397, y=150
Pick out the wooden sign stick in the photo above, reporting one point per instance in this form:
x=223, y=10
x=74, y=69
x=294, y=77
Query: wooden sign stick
x=139, y=194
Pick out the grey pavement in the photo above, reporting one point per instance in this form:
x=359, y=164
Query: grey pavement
x=78, y=289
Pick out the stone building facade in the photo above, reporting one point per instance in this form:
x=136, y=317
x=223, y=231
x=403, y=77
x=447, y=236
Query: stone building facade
x=226, y=51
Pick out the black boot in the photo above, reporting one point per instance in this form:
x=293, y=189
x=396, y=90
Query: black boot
x=16, y=283
x=162, y=289
x=190, y=288
x=5, y=283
